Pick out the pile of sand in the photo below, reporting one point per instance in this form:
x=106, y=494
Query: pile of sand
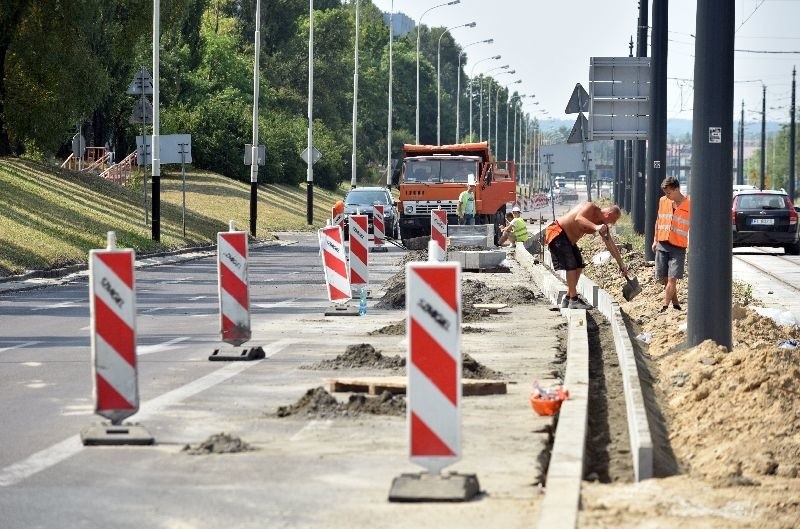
x=732, y=416
x=361, y=355
x=318, y=403
x=220, y=443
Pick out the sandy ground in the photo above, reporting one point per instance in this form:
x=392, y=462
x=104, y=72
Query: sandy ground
x=727, y=431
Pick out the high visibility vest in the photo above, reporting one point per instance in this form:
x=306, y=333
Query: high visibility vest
x=519, y=229
x=673, y=226
x=466, y=203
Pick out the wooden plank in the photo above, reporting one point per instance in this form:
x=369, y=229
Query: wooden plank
x=397, y=386
x=491, y=307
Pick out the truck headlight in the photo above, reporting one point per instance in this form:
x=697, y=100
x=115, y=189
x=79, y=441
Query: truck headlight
x=409, y=209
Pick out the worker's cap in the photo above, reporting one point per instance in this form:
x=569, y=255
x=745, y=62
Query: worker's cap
x=515, y=209
x=470, y=179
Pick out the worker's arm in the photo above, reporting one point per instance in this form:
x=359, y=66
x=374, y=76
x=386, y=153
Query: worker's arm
x=584, y=218
x=612, y=247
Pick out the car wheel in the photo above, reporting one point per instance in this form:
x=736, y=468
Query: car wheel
x=792, y=249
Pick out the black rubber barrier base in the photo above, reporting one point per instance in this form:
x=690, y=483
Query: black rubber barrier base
x=254, y=353
x=105, y=434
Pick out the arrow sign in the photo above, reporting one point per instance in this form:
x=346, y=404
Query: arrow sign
x=578, y=101
x=579, y=130
x=316, y=155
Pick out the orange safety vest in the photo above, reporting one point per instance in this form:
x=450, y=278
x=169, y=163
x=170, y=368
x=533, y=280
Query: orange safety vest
x=672, y=226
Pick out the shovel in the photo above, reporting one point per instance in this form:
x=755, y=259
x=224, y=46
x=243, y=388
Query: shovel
x=632, y=287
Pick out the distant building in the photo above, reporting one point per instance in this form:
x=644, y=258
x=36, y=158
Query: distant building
x=401, y=23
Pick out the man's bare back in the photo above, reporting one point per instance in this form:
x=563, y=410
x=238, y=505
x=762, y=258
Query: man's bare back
x=581, y=220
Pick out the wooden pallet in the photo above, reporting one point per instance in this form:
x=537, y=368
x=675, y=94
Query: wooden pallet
x=397, y=385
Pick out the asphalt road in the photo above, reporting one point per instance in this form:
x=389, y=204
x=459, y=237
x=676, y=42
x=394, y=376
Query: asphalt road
x=305, y=472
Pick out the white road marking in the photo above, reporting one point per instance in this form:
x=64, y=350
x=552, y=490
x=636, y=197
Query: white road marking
x=154, y=309
x=198, y=297
x=276, y=304
x=160, y=347
x=313, y=426
x=62, y=305
x=44, y=459
x=22, y=345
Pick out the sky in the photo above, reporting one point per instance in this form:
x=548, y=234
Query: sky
x=549, y=43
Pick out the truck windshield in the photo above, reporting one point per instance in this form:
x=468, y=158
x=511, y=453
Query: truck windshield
x=434, y=171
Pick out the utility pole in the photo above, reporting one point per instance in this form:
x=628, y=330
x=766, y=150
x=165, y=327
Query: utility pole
x=155, y=145
x=763, y=135
x=709, y=304
x=792, y=140
x=640, y=146
x=254, y=148
x=657, y=145
x=628, y=160
x=740, y=151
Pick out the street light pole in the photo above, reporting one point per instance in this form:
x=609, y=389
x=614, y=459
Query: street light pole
x=439, y=79
x=458, y=85
x=310, y=166
x=389, y=120
x=419, y=26
x=471, y=82
x=254, y=147
x=355, y=100
x=489, y=104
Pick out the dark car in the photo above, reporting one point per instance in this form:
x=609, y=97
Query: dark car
x=360, y=201
x=765, y=218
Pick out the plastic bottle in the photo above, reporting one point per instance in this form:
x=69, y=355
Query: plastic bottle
x=362, y=304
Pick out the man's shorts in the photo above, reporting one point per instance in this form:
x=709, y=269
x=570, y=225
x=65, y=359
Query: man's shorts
x=670, y=261
x=565, y=255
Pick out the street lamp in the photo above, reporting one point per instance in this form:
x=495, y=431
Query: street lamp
x=439, y=80
x=497, y=112
x=480, y=105
x=472, y=81
x=508, y=105
x=419, y=26
x=355, y=100
x=458, y=85
x=389, y=120
x=489, y=99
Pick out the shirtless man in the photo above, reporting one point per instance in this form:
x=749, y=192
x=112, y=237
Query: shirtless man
x=562, y=238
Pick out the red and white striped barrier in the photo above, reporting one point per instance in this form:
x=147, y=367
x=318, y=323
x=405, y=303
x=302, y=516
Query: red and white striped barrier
x=234, y=290
x=439, y=233
x=378, y=226
x=433, y=298
x=359, y=252
x=112, y=306
x=539, y=200
x=337, y=220
x=334, y=262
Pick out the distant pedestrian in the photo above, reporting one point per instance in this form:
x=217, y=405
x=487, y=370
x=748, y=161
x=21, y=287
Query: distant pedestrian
x=671, y=240
x=562, y=238
x=466, y=206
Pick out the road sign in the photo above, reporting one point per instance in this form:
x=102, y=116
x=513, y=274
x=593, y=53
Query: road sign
x=619, y=98
x=78, y=145
x=566, y=157
x=142, y=111
x=234, y=287
x=578, y=101
x=315, y=157
x=142, y=83
x=579, y=132
x=174, y=148
x=248, y=154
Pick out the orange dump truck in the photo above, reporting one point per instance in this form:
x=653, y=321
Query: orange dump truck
x=433, y=176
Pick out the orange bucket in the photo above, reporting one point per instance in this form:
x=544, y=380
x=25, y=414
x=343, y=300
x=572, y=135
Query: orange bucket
x=547, y=407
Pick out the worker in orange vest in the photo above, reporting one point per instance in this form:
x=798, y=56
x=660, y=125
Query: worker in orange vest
x=671, y=240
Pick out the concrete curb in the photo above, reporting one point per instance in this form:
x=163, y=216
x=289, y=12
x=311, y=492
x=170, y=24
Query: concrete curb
x=560, y=483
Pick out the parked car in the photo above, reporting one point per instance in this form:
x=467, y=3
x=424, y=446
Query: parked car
x=360, y=201
x=765, y=218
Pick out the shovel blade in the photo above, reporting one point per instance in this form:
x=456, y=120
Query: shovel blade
x=631, y=289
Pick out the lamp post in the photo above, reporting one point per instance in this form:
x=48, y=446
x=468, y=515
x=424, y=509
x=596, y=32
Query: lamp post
x=480, y=107
x=419, y=26
x=497, y=116
x=472, y=81
x=508, y=106
x=254, y=152
x=310, y=131
x=489, y=105
x=439, y=79
x=458, y=85
x=389, y=124
x=355, y=100
x=489, y=102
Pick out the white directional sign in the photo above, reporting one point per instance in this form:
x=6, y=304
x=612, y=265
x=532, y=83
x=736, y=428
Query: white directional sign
x=174, y=148
x=619, y=93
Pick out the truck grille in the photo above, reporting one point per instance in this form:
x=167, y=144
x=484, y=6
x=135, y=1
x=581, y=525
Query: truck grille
x=425, y=208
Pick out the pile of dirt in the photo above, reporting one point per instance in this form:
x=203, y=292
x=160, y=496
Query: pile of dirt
x=732, y=417
x=361, y=355
x=220, y=443
x=319, y=404
x=472, y=369
x=393, y=329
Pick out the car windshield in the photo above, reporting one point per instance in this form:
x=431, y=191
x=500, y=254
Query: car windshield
x=366, y=197
x=760, y=201
x=445, y=170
